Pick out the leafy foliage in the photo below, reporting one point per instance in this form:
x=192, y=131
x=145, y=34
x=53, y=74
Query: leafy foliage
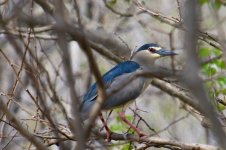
x=120, y=126
x=214, y=73
x=215, y=3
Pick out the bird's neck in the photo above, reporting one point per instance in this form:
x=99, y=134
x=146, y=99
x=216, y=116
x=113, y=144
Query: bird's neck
x=144, y=60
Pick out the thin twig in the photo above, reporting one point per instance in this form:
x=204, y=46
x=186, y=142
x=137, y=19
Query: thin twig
x=19, y=128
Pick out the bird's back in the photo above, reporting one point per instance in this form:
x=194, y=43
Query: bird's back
x=119, y=80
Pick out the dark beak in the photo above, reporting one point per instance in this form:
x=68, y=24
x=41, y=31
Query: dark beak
x=164, y=52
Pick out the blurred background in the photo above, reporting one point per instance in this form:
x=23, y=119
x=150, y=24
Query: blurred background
x=34, y=83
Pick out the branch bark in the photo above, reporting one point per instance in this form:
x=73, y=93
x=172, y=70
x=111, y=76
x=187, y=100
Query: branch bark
x=17, y=125
x=191, y=77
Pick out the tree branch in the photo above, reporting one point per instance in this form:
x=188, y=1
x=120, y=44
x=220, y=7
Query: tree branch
x=17, y=125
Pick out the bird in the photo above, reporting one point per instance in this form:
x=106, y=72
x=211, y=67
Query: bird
x=121, y=84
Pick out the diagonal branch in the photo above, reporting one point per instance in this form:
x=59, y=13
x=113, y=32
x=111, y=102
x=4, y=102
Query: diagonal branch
x=19, y=128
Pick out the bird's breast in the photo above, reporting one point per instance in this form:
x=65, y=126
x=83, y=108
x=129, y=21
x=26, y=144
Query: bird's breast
x=125, y=89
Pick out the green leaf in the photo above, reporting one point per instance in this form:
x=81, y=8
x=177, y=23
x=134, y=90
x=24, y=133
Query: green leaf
x=129, y=117
x=217, y=92
x=118, y=119
x=220, y=64
x=127, y=146
x=212, y=71
x=223, y=91
x=209, y=70
x=128, y=1
x=221, y=81
x=220, y=107
x=203, y=1
x=117, y=127
x=204, y=52
x=210, y=83
x=112, y=2
x=211, y=94
x=217, y=52
x=217, y=4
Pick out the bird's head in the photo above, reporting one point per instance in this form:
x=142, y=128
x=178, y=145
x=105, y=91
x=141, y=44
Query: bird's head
x=153, y=51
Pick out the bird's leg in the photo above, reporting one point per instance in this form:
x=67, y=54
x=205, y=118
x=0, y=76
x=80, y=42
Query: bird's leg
x=138, y=131
x=108, y=131
x=107, y=118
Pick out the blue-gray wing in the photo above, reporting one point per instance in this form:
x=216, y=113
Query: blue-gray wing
x=123, y=68
x=124, y=89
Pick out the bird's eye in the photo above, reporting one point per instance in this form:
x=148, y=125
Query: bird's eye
x=152, y=49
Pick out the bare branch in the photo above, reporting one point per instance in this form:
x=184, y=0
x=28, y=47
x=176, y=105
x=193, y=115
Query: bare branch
x=19, y=128
x=192, y=80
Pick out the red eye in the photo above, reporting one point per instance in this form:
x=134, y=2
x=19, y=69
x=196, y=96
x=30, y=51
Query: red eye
x=151, y=50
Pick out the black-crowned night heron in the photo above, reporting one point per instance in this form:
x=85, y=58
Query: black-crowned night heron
x=121, y=87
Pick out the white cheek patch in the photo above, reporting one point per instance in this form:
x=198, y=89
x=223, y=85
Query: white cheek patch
x=155, y=55
x=149, y=54
x=156, y=48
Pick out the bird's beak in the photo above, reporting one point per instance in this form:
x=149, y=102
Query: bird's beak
x=165, y=52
